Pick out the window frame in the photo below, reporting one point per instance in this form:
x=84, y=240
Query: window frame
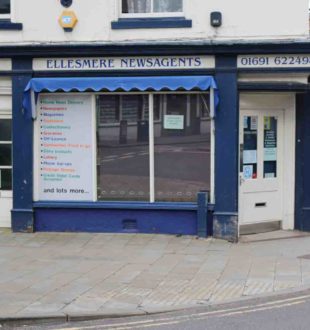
x=151, y=14
x=151, y=146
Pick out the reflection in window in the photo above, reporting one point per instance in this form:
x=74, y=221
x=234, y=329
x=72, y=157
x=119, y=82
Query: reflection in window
x=5, y=7
x=182, y=149
x=270, y=147
x=5, y=179
x=123, y=148
x=151, y=6
x=5, y=130
x=249, y=154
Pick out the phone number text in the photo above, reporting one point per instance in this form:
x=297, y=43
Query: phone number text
x=273, y=61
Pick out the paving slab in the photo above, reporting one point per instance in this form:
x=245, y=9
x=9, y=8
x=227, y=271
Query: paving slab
x=92, y=275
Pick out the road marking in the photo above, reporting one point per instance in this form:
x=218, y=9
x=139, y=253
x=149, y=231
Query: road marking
x=190, y=318
x=125, y=157
x=200, y=316
x=107, y=160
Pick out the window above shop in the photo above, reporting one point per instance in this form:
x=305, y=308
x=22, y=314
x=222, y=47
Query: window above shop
x=5, y=16
x=152, y=8
x=5, y=9
x=135, y=14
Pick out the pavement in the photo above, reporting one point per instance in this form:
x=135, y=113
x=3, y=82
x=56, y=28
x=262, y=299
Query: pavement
x=76, y=275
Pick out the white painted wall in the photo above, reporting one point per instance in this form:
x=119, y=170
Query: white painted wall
x=242, y=19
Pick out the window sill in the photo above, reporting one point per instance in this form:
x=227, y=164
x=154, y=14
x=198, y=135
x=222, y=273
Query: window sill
x=170, y=206
x=8, y=25
x=151, y=23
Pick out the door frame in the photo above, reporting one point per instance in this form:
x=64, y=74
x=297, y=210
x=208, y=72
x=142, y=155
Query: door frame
x=285, y=102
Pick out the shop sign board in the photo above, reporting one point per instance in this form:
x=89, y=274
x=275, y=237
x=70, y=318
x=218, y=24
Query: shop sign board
x=65, y=148
x=124, y=63
x=274, y=61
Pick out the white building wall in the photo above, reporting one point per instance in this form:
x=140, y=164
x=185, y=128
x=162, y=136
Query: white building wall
x=242, y=19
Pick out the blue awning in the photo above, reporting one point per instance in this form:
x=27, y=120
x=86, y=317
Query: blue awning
x=117, y=84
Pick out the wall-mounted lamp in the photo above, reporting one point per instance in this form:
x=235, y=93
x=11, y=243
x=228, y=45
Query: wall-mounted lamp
x=216, y=18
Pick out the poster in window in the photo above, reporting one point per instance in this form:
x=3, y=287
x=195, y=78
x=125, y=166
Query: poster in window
x=65, y=147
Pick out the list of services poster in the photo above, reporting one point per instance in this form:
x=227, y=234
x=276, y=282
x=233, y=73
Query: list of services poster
x=65, y=147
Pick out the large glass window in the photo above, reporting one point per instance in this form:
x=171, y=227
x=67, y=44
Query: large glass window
x=5, y=7
x=123, y=147
x=181, y=150
x=151, y=6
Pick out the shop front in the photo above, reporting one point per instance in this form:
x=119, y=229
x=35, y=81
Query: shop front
x=122, y=153
x=175, y=144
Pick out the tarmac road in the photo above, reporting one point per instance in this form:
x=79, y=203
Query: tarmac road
x=285, y=312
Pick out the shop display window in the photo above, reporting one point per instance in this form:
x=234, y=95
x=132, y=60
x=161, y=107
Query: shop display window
x=130, y=147
x=179, y=148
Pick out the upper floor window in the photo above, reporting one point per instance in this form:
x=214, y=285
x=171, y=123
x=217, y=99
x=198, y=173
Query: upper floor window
x=5, y=8
x=152, y=8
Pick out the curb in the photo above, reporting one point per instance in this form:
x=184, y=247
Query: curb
x=59, y=318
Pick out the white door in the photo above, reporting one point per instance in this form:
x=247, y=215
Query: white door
x=261, y=166
x=5, y=170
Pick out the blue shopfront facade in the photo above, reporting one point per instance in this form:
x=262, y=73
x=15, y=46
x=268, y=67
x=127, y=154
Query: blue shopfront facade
x=217, y=215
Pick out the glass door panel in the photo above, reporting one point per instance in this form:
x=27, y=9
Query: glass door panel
x=249, y=152
x=270, y=147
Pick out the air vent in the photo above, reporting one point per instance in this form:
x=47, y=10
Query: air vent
x=130, y=226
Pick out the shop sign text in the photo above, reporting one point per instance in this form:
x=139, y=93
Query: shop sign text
x=124, y=63
x=65, y=148
x=273, y=61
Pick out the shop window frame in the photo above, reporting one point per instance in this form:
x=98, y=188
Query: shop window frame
x=132, y=204
x=151, y=142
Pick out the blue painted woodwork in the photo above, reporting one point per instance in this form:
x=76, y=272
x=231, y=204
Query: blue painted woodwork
x=151, y=23
x=302, y=183
x=275, y=87
x=225, y=219
x=203, y=47
x=22, y=215
x=101, y=220
x=121, y=205
x=202, y=214
x=8, y=25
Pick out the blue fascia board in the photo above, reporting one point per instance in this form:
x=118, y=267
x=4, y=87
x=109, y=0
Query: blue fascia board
x=8, y=25
x=151, y=23
x=120, y=205
x=159, y=48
